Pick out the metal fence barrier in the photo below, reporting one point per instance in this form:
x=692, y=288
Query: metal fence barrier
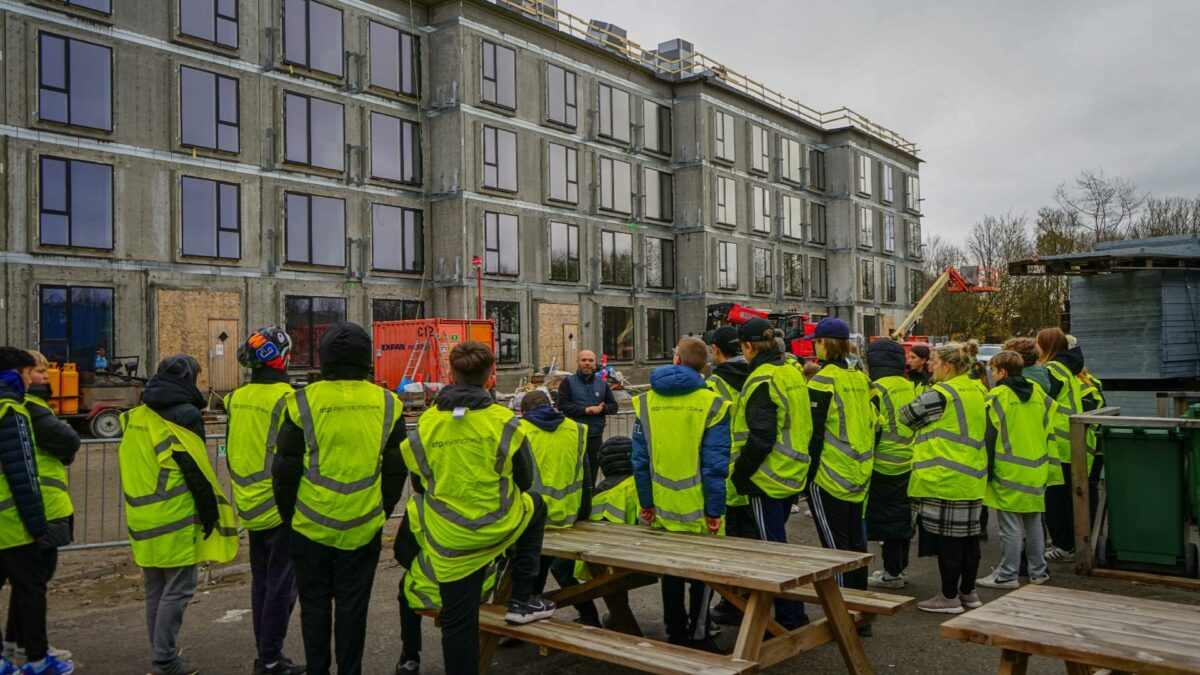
x=95, y=484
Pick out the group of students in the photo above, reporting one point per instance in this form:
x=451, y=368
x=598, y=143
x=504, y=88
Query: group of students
x=316, y=471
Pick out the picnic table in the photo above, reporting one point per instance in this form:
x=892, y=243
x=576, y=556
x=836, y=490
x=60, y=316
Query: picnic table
x=1085, y=630
x=750, y=574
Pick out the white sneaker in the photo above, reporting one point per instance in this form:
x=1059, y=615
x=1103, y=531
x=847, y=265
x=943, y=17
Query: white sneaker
x=880, y=579
x=940, y=604
x=795, y=508
x=1056, y=554
x=992, y=581
x=1039, y=580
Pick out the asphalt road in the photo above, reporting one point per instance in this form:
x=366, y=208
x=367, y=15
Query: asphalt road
x=96, y=611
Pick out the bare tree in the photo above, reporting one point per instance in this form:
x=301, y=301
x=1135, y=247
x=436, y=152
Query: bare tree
x=1105, y=207
x=1163, y=216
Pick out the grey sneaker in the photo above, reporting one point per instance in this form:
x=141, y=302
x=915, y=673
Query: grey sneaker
x=176, y=667
x=940, y=604
x=1056, y=554
x=1039, y=580
x=970, y=600
x=992, y=581
x=880, y=579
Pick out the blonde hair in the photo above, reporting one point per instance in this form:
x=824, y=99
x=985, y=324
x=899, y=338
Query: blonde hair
x=963, y=356
x=42, y=362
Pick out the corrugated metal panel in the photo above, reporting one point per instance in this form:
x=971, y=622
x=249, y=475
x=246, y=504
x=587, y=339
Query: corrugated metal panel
x=1118, y=321
x=1181, y=324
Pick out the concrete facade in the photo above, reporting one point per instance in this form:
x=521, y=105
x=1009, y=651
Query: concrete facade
x=147, y=266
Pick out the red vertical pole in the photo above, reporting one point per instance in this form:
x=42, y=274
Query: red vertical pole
x=477, y=263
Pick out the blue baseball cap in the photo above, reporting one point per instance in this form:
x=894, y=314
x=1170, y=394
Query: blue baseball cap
x=831, y=327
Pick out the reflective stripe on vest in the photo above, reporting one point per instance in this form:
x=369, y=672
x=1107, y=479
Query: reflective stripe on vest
x=341, y=504
x=254, y=423
x=618, y=504
x=893, y=452
x=949, y=459
x=1022, y=461
x=52, y=475
x=1070, y=402
x=559, y=458
x=678, y=501
x=784, y=472
x=12, y=528
x=738, y=433
x=845, y=472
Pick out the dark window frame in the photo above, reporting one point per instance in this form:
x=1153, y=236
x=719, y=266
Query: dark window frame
x=889, y=283
x=611, y=273
x=494, y=247
x=760, y=136
x=308, y=132
x=792, y=286
x=662, y=127
x=760, y=209
x=308, y=42
x=308, y=199
x=409, y=309
x=65, y=89
x=414, y=59
x=494, y=79
x=818, y=232
x=218, y=16
x=666, y=331
x=507, y=352
x=418, y=174
x=75, y=4
x=726, y=190
x=570, y=97
x=764, y=284
x=792, y=230
x=67, y=211
x=217, y=211
x=666, y=195
x=216, y=96
x=608, y=190
x=570, y=166
x=625, y=351
x=496, y=164
x=867, y=279
x=313, y=356
x=727, y=251
x=45, y=344
x=816, y=169
x=612, y=123
x=819, y=282
x=417, y=240
x=666, y=257
x=572, y=263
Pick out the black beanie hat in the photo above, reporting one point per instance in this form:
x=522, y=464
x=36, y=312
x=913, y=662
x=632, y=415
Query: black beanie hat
x=616, y=456
x=885, y=357
x=346, y=344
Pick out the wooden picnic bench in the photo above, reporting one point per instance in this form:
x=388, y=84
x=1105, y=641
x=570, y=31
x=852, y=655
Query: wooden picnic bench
x=1085, y=630
x=750, y=574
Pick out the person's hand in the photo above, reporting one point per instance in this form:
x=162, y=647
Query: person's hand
x=647, y=516
x=595, y=409
x=714, y=524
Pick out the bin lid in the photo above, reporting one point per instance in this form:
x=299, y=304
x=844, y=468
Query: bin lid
x=1140, y=432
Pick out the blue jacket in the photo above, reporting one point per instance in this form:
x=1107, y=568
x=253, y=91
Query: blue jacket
x=17, y=458
x=714, y=447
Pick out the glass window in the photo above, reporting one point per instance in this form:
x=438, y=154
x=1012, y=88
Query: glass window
x=395, y=149
x=763, y=280
x=724, y=146
x=865, y=177
x=617, y=333
x=816, y=169
x=727, y=265
x=916, y=286
x=889, y=283
x=660, y=333
x=793, y=274
x=889, y=191
x=315, y=229
x=889, y=232
x=499, y=159
x=660, y=263
x=793, y=160
x=726, y=200
x=101, y=6
x=395, y=59
x=397, y=239
x=208, y=110
x=76, y=203
x=760, y=198
x=658, y=195
x=793, y=217
x=819, y=278
x=614, y=113
x=500, y=244
x=616, y=258
x=616, y=186
x=214, y=21
x=817, y=232
x=866, y=226
x=383, y=309
x=312, y=36
x=306, y=319
x=912, y=193
x=561, y=104
x=656, y=127
x=760, y=150
x=564, y=173
x=507, y=316
x=868, y=279
x=75, y=82
x=914, y=239
x=499, y=75
x=564, y=252
x=313, y=132
x=74, y=322
x=211, y=220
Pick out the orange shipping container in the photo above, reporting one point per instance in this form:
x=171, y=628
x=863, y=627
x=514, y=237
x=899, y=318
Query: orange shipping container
x=420, y=348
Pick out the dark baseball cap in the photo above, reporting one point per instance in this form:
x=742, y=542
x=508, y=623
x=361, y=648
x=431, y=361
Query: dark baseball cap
x=831, y=327
x=755, y=330
x=725, y=338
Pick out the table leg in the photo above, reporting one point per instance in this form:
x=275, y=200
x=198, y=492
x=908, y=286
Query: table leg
x=1075, y=668
x=754, y=622
x=618, y=605
x=843, y=627
x=1013, y=663
x=489, y=641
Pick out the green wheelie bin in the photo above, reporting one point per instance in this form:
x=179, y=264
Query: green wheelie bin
x=1194, y=463
x=1147, y=497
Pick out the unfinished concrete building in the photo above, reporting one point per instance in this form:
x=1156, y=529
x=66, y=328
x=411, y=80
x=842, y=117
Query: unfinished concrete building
x=178, y=172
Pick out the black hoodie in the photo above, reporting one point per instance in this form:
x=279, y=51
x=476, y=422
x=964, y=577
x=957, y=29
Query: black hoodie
x=760, y=412
x=345, y=355
x=172, y=393
x=734, y=372
x=1073, y=359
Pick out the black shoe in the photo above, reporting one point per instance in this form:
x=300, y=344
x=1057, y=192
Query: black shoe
x=866, y=631
x=407, y=665
x=285, y=666
x=726, y=614
x=535, y=608
x=706, y=645
x=608, y=622
x=588, y=620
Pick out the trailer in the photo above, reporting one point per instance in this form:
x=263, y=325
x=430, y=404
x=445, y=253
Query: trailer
x=416, y=352
x=92, y=403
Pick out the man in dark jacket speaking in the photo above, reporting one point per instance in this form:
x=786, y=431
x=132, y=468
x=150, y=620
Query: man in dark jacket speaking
x=586, y=398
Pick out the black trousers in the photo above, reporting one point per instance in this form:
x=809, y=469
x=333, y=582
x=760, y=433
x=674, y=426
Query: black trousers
x=740, y=522
x=594, y=441
x=1060, y=512
x=685, y=615
x=25, y=570
x=335, y=591
x=895, y=556
x=840, y=526
x=563, y=570
x=273, y=590
x=958, y=564
x=410, y=630
x=460, y=599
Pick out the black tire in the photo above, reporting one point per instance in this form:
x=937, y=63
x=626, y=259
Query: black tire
x=1191, y=562
x=1103, y=559
x=106, y=424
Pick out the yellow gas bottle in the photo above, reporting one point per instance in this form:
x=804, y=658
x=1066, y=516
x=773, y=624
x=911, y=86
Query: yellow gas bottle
x=70, y=389
x=55, y=380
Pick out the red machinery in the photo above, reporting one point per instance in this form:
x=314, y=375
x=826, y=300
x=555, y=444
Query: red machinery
x=795, y=325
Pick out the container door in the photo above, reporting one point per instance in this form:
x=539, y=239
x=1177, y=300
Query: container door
x=224, y=373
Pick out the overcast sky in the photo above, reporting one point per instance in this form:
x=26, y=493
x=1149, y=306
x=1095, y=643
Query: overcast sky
x=1004, y=99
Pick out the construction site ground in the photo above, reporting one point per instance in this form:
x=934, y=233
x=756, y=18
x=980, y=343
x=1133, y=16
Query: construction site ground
x=97, y=611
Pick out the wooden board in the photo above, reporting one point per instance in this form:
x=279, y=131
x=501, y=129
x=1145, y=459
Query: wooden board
x=868, y=602
x=613, y=647
x=1127, y=634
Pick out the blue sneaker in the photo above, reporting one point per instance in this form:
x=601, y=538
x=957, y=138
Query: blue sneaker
x=7, y=667
x=50, y=666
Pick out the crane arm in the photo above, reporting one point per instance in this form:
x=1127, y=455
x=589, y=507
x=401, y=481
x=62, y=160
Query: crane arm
x=935, y=289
